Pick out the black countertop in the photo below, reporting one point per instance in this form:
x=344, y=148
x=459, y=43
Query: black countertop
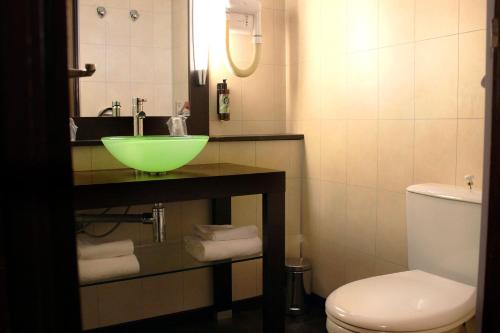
x=216, y=138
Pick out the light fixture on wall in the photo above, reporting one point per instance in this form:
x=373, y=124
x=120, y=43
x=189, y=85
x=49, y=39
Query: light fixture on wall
x=199, y=38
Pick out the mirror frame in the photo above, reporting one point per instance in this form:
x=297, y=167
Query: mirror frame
x=93, y=128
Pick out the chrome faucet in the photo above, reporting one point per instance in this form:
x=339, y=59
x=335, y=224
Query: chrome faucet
x=138, y=115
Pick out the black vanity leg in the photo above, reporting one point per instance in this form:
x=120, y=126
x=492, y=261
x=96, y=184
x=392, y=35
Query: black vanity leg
x=273, y=223
x=222, y=274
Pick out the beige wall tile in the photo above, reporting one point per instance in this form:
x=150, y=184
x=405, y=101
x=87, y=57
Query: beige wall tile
x=363, y=24
x=141, y=31
x=82, y=158
x=361, y=218
x=210, y=154
x=329, y=265
x=312, y=150
x=195, y=212
x=226, y=127
x=334, y=93
x=93, y=54
x=292, y=246
x=334, y=27
x=308, y=31
x=436, y=73
x=89, y=303
x=237, y=152
x=296, y=155
x=244, y=210
x=472, y=55
x=383, y=267
x=395, y=154
x=434, y=18
x=273, y=155
x=279, y=37
x=268, y=47
x=362, y=85
x=162, y=294
x=258, y=127
x=92, y=98
x=396, y=21
x=257, y=97
x=292, y=206
x=244, y=280
x=146, y=5
x=391, y=228
x=435, y=151
x=334, y=150
x=303, y=91
x=358, y=265
x=362, y=152
x=197, y=289
x=311, y=218
x=120, y=302
x=334, y=211
x=396, y=82
x=472, y=15
x=470, y=150
x=92, y=29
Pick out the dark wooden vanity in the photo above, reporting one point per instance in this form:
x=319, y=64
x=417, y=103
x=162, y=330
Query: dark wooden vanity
x=218, y=183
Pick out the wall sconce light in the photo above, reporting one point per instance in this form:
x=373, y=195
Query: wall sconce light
x=200, y=37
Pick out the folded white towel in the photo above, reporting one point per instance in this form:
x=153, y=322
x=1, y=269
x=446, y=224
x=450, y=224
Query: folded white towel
x=203, y=250
x=107, y=268
x=89, y=249
x=224, y=232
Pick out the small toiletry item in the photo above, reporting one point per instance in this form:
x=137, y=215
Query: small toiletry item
x=116, y=108
x=223, y=101
x=177, y=123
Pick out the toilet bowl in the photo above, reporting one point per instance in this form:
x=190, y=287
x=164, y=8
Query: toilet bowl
x=412, y=301
x=437, y=294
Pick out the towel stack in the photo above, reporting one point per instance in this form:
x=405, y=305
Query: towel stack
x=100, y=261
x=218, y=242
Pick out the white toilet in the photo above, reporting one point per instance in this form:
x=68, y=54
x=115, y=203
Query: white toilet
x=438, y=294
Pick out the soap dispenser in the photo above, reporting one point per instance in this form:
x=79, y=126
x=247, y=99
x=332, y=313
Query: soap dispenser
x=223, y=101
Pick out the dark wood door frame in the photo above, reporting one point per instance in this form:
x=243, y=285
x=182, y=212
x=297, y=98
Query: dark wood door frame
x=488, y=307
x=38, y=277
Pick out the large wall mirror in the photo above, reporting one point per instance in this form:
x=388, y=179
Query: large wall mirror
x=140, y=48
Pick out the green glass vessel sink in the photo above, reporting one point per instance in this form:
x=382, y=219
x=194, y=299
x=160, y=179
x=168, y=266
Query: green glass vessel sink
x=155, y=153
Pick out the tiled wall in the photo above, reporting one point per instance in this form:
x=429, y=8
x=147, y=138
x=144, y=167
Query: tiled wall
x=387, y=93
x=257, y=102
x=133, y=59
x=125, y=301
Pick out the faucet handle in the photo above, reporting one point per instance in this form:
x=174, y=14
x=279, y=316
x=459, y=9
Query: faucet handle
x=141, y=115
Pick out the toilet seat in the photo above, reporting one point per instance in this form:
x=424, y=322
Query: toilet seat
x=402, y=302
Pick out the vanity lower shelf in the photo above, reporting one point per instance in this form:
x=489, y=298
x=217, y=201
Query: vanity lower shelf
x=216, y=183
x=160, y=259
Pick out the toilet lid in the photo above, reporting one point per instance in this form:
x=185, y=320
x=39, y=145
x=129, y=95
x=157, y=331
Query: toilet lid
x=406, y=301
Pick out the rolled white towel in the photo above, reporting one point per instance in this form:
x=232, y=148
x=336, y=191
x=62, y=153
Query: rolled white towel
x=101, y=269
x=203, y=250
x=225, y=232
x=88, y=249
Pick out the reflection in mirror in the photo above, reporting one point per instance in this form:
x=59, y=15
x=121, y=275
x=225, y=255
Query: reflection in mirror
x=140, y=49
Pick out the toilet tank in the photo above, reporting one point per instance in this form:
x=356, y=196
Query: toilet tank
x=443, y=228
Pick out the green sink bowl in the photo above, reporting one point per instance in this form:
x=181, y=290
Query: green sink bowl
x=155, y=153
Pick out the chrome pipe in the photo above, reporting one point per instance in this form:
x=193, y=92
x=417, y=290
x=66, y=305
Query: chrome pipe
x=159, y=224
x=146, y=218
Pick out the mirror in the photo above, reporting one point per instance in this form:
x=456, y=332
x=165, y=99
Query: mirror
x=140, y=48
